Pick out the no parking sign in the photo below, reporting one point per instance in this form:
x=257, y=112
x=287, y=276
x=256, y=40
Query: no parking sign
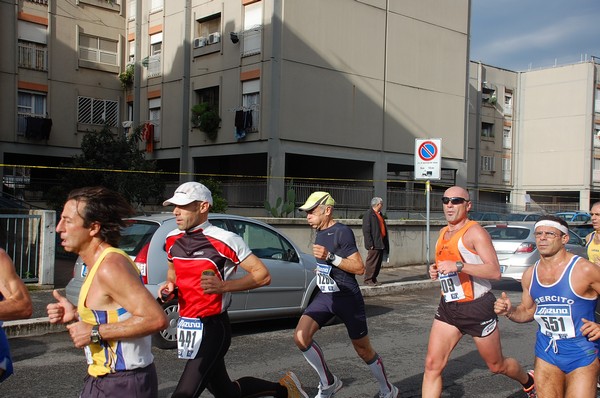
x=428, y=159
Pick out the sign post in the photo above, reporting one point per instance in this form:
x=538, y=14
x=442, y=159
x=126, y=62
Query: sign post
x=428, y=160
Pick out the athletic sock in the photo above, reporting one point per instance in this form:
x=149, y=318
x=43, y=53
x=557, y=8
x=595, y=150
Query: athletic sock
x=314, y=356
x=376, y=366
x=529, y=383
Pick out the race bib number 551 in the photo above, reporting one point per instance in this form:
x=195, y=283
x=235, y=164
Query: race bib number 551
x=189, y=337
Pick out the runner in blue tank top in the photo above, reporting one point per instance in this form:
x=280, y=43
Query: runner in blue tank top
x=560, y=293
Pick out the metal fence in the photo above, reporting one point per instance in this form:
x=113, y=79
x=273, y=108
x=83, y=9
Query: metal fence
x=20, y=238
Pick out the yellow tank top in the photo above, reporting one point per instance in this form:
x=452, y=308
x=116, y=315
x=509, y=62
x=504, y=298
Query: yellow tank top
x=593, y=249
x=115, y=355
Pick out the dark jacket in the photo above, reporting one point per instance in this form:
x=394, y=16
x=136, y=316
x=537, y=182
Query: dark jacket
x=372, y=233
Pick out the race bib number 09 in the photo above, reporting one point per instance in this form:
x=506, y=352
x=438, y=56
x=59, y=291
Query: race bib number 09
x=189, y=337
x=451, y=287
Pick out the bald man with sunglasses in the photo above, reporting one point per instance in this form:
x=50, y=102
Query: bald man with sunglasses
x=465, y=263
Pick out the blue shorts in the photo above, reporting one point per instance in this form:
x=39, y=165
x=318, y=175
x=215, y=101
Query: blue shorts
x=570, y=354
x=349, y=308
x=5, y=360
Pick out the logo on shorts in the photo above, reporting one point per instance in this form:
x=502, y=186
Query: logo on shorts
x=489, y=328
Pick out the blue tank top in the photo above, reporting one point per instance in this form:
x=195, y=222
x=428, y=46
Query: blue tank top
x=559, y=309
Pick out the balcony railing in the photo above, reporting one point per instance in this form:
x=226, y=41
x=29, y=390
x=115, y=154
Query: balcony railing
x=33, y=56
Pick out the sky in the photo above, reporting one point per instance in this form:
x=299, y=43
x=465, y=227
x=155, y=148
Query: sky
x=521, y=35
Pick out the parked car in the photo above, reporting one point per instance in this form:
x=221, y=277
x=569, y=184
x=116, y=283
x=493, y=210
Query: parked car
x=574, y=216
x=292, y=287
x=523, y=217
x=516, y=249
x=486, y=216
x=583, y=229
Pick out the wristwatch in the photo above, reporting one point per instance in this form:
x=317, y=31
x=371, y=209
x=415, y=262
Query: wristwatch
x=95, y=334
x=330, y=257
x=459, y=266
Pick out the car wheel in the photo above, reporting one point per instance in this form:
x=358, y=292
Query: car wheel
x=167, y=338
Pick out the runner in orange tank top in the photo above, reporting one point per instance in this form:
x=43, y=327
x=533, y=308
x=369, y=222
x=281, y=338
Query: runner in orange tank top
x=465, y=263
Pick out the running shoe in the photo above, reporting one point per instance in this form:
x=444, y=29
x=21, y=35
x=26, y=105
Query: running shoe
x=329, y=391
x=530, y=392
x=294, y=388
x=395, y=393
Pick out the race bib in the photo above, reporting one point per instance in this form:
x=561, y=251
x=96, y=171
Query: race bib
x=451, y=287
x=88, y=355
x=555, y=320
x=324, y=281
x=189, y=337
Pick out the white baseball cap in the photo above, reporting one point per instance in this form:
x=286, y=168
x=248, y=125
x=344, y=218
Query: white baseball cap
x=190, y=192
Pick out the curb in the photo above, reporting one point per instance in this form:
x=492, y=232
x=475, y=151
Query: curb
x=41, y=326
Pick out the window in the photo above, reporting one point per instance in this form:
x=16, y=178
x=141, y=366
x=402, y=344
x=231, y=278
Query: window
x=487, y=130
x=156, y=5
x=154, y=106
x=507, y=138
x=597, y=136
x=154, y=64
x=487, y=163
x=33, y=51
x=508, y=103
x=97, y=111
x=131, y=9
x=252, y=29
x=597, y=102
x=29, y=104
x=209, y=95
x=131, y=55
x=264, y=243
x=98, y=49
x=506, y=168
x=251, y=100
x=208, y=26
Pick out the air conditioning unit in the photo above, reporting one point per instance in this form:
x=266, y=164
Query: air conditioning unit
x=199, y=42
x=214, y=38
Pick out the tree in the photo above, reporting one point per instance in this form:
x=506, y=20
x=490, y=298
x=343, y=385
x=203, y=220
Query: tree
x=114, y=161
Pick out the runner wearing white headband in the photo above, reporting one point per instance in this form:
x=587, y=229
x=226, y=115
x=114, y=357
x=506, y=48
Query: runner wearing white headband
x=553, y=224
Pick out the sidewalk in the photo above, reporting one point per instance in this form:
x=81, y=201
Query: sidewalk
x=393, y=280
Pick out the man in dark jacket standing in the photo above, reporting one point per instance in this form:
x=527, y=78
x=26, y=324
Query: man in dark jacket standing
x=376, y=240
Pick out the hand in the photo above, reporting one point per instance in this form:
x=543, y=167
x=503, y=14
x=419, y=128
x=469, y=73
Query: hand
x=211, y=283
x=80, y=333
x=320, y=252
x=503, y=306
x=166, y=292
x=62, y=311
x=590, y=329
x=433, y=271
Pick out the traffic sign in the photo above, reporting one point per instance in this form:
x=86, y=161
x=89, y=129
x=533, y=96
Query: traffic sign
x=428, y=159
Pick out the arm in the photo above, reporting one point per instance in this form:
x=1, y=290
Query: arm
x=165, y=290
x=477, y=240
x=17, y=302
x=523, y=312
x=147, y=316
x=353, y=263
x=257, y=276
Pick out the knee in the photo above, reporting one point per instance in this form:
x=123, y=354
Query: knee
x=497, y=367
x=302, y=339
x=434, y=364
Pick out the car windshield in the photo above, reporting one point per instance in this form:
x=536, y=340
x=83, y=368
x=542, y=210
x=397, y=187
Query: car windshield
x=507, y=233
x=135, y=235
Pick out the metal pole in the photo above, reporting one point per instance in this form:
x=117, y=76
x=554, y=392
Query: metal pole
x=427, y=190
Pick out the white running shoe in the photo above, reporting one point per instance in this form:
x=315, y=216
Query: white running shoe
x=395, y=393
x=329, y=391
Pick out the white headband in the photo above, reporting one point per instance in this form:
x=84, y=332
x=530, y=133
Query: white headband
x=553, y=224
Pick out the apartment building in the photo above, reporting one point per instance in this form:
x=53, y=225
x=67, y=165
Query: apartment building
x=58, y=78
x=534, y=140
x=322, y=93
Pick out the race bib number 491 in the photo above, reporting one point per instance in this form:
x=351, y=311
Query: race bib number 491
x=189, y=337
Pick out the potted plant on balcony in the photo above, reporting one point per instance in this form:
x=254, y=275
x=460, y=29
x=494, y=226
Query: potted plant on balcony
x=206, y=118
x=126, y=77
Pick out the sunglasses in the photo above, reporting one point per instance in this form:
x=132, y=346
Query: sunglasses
x=454, y=201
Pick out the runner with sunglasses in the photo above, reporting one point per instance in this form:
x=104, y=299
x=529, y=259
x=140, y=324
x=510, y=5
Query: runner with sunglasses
x=465, y=262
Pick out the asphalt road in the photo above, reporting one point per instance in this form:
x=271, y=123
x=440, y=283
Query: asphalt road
x=49, y=366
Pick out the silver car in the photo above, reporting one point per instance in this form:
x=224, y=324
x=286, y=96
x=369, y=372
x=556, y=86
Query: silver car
x=292, y=287
x=516, y=249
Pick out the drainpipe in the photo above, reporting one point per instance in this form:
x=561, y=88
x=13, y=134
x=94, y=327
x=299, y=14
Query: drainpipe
x=184, y=161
